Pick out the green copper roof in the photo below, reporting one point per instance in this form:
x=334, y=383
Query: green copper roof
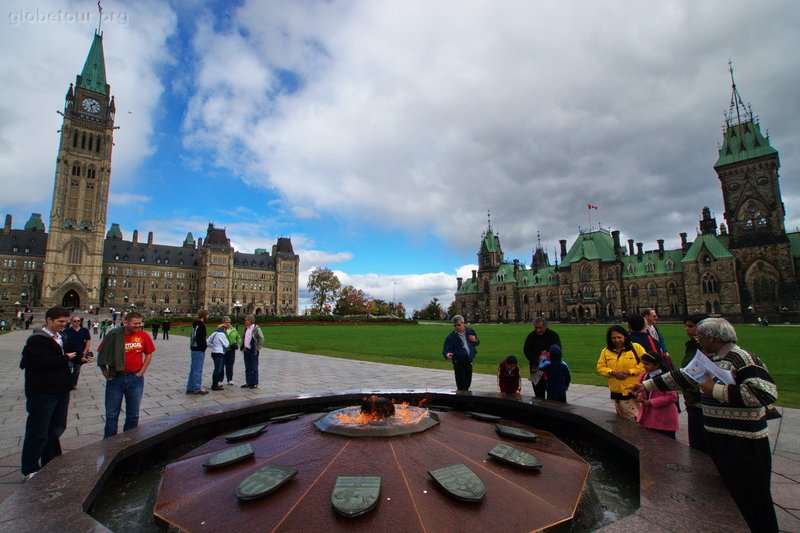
x=189, y=240
x=505, y=274
x=794, y=243
x=591, y=246
x=709, y=242
x=114, y=232
x=542, y=277
x=93, y=76
x=35, y=222
x=469, y=286
x=741, y=142
x=651, y=264
x=491, y=242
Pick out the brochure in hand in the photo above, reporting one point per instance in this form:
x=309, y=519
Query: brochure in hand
x=701, y=368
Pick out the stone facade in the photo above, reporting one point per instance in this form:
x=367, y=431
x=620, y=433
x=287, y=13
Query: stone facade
x=746, y=270
x=77, y=264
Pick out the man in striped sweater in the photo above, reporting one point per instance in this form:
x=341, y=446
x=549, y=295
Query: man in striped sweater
x=733, y=415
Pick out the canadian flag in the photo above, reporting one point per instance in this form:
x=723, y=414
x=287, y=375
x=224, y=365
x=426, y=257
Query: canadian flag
x=591, y=206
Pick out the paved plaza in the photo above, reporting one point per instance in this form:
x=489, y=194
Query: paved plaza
x=286, y=373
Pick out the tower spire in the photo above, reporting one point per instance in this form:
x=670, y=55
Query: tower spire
x=743, y=113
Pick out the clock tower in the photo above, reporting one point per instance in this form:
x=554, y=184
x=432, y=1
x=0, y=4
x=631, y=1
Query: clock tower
x=74, y=256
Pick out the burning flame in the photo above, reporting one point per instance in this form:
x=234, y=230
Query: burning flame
x=404, y=414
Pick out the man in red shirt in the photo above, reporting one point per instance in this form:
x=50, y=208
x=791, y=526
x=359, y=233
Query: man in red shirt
x=123, y=357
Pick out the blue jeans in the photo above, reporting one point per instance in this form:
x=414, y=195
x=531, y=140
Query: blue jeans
x=195, y=371
x=251, y=367
x=230, y=357
x=47, y=420
x=76, y=373
x=219, y=369
x=130, y=387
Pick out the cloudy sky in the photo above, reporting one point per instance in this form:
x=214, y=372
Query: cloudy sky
x=379, y=134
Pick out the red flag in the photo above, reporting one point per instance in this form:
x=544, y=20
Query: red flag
x=591, y=206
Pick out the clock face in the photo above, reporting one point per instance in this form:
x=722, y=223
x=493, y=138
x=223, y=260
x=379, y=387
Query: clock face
x=91, y=105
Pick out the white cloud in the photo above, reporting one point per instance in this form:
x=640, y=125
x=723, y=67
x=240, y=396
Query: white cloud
x=127, y=198
x=416, y=114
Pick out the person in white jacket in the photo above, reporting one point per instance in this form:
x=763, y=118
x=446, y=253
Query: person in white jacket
x=218, y=343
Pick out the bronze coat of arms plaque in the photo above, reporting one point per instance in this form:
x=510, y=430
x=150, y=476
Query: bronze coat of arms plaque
x=245, y=433
x=460, y=482
x=514, y=456
x=355, y=496
x=263, y=481
x=515, y=433
x=285, y=418
x=486, y=417
x=229, y=456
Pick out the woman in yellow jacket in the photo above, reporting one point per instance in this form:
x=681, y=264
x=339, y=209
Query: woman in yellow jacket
x=620, y=363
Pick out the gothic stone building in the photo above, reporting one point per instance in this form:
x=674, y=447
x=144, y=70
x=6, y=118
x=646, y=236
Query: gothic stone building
x=747, y=270
x=77, y=264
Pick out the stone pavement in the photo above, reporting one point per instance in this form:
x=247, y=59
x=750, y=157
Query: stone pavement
x=287, y=373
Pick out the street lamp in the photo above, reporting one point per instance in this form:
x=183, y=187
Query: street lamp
x=394, y=299
x=237, y=306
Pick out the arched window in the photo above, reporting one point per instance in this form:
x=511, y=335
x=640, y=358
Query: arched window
x=586, y=273
x=611, y=292
x=538, y=298
x=634, y=291
x=650, y=267
x=710, y=285
x=651, y=289
x=672, y=289
x=75, y=253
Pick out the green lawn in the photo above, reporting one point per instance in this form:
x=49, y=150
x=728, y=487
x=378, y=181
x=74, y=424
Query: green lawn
x=421, y=346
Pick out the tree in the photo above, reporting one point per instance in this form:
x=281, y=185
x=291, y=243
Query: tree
x=351, y=301
x=323, y=286
x=432, y=311
x=452, y=310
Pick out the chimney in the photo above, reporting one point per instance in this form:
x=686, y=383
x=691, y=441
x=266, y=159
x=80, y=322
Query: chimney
x=684, y=244
x=516, y=268
x=459, y=281
x=149, y=239
x=7, y=227
x=660, y=248
x=563, y=243
x=135, y=236
x=639, y=251
x=630, y=247
x=474, y=275
x=199, y=243
x=617, y=248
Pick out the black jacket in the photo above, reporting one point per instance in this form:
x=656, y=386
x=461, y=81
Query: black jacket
x=535, y=344
x=46, y=367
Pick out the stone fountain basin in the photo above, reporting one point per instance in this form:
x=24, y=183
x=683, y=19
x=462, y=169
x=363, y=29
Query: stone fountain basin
x=679, y=488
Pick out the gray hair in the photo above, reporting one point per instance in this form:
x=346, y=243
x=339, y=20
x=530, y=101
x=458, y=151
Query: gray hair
x=717, y=328
x=540, y=320
x=251, y=318
x=458, y=319
x=226, y=319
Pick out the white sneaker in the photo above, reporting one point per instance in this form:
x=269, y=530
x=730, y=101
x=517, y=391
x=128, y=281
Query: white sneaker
x=29, y=476
x=231, y=383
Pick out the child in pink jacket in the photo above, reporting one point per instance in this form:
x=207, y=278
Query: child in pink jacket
x=657, y=410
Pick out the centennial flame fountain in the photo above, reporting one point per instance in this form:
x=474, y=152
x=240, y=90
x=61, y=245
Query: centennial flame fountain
x=404, y=450
x=120, y=484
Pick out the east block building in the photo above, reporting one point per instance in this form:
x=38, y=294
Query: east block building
x=78, y=264
x=745, y=269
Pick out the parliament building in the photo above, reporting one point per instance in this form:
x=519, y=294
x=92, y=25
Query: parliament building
x=81, y=264
x=744, y=269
